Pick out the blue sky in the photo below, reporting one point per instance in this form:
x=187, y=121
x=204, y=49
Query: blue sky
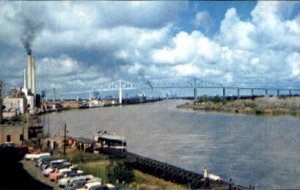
x=81, y=44
x=216, y=10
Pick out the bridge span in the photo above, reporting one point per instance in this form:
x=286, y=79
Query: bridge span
x=181, y=83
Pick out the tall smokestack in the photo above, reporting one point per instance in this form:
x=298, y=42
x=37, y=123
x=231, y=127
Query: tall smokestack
x=29, y=70
x=33, y=75
x=24, y=81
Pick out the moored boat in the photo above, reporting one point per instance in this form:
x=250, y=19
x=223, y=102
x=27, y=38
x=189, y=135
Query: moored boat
x=110, y=140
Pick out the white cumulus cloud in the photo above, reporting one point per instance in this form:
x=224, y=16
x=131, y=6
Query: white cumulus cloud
x=293, y=60
x=83, y=43
x=236, y=33
x=185, y=48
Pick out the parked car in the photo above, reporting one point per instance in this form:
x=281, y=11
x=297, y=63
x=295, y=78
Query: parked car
x=89, y=185
x=104, y=187
x=45, y=160
x=48, y=162
x=111, y=186
x=68, y=174
x=44, y=166
x=75, y=185
x=40, y=158
x=99, y=187
x=55, y=164
x=94, y=179
x=53, y=176
x=35, y=155
x=63, y=182
x=83, y=178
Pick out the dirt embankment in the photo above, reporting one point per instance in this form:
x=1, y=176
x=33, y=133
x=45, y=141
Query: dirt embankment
x=258, y=106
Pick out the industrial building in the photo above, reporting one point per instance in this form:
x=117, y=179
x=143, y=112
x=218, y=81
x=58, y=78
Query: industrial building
x=15, y=104
x=20, y=102
x=25, y=99
x=15, y=133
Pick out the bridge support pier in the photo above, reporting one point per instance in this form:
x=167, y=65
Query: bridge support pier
x=252, y=92
x=238, y=93
x=278, y=93
x=266, y=92
x=224, y=93
x=290, y=92
x=195, y=89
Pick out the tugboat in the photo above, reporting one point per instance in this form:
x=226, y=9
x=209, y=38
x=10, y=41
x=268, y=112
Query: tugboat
x=108, y=140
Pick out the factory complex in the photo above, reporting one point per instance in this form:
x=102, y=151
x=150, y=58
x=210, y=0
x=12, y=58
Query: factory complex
x=18, y=121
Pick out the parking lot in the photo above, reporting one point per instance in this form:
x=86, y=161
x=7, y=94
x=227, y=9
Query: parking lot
x=37, y=174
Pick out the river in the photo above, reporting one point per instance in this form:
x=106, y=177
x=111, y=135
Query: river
x=252, y=150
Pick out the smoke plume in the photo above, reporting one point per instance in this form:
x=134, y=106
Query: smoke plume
x=31, y=26
x=28, y=36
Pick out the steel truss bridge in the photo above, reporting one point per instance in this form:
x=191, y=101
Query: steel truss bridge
x=176, y=83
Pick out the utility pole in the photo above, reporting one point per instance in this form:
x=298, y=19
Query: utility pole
x=65, y=137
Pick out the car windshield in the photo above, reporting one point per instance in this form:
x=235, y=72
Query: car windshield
x=78, y=184
x=56, y=164
x=99, y=187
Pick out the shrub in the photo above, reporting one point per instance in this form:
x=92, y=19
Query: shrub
x=96, y=171
x=119, y=171
x=217, y=99
x=79, y=157
x=259, y=111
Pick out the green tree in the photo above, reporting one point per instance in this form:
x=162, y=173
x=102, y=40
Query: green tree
x=119, y=171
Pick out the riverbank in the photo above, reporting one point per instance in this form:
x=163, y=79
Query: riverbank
x=112, y=170
x=257, y=106
x=62, y=106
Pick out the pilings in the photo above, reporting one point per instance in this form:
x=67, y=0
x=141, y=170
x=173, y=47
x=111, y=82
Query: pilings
x=162, y=169
x=168, y=172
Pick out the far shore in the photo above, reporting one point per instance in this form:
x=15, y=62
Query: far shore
x=259, y=106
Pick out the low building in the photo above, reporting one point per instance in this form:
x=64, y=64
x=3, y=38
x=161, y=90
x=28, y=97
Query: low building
x=52, y=106
x=71, y=104
x=14, y=104
x=96, y=103
x=15, y=133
